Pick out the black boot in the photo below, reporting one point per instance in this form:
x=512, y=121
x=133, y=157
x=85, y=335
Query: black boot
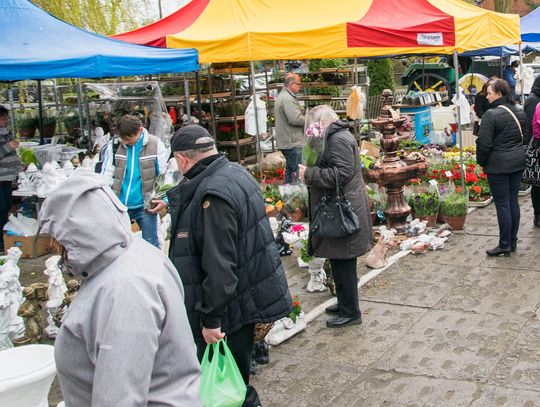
x=537, y=221
x=497, y=251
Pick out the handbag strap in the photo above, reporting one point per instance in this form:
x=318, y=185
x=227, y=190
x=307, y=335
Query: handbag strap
x=515, y=118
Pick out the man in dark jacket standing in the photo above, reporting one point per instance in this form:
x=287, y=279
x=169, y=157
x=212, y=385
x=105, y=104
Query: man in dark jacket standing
x=530, y=106
x=223, y=248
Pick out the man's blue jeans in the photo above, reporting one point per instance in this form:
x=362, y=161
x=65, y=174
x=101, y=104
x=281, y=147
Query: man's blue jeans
x=148, y=223
x=292, y=159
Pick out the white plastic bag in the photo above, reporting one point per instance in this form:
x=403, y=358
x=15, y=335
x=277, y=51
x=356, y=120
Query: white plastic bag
x=21, y=225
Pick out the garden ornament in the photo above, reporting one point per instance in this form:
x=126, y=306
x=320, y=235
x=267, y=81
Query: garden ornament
x=56, y=291
x=377, y=256
x=29, y=311
x=317, y=275
x=11, y=298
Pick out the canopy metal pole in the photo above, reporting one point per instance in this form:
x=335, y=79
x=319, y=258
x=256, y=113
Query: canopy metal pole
x=187, y=101
x=79, y=105
x=40, y=112
x=355, y=83
x=211, y=97
x=258, y=135
x=11, y=110
x=199, y=103
x=458, y=111
x=521, y=79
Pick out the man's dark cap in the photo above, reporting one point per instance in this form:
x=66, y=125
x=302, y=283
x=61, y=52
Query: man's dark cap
x=190, y=138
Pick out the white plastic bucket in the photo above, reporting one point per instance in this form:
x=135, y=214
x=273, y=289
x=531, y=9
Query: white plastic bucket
x=26, y=375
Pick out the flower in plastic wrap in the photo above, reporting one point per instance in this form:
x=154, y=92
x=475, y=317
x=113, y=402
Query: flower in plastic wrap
x=162, y=184
x=314, y=146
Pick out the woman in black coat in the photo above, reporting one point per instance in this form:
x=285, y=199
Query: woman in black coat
x=341, y=152
x=499, y=149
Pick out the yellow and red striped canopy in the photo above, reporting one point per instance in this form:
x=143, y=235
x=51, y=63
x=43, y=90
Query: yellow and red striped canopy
x=244, y=30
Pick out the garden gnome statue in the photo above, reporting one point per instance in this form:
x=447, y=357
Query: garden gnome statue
x=72, y=289
x=11, y=325
x=29, y=310
x=317, y=274
x=56, y=291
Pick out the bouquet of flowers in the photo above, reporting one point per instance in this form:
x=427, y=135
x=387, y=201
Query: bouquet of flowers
x=162, y=184
x=313, y=149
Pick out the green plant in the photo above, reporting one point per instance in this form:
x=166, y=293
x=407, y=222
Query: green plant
x=49, y=121
x=72, y=121
x=306, y=258
x=426, y=203
x=454, y=204
x=381, y=76
x=27, y=122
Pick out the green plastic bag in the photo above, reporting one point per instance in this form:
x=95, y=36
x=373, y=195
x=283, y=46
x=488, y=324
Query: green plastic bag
x=222, y=384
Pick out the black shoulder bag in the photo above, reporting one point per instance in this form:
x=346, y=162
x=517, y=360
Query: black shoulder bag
x=333, y=217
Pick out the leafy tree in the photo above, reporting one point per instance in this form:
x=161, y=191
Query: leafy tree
x=381, y=76
x=105, y=17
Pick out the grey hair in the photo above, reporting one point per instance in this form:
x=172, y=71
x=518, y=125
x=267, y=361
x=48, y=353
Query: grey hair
x=290, y=78
x=194, y=153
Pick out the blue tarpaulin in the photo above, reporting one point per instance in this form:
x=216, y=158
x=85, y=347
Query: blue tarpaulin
x=36, y=45
x=530, y=35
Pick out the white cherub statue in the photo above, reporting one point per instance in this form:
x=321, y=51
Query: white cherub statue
x=11, y=298
x=317, y=275
x=56, y=291
x=27, y=179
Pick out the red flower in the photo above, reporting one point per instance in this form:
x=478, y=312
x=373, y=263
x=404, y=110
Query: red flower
x=459, y=189
x=477, y=189
x=295, y=304
x=483, y=175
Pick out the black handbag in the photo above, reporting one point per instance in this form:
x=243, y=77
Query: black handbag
x=333, y=217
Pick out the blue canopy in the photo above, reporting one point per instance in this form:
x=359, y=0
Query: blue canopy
x=530, y=26
x=36, y=45
x=530, y=35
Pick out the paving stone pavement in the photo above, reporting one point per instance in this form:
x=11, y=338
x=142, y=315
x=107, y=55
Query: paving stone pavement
x=447, y=328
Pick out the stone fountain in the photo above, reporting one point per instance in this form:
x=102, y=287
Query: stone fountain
x=393, y=173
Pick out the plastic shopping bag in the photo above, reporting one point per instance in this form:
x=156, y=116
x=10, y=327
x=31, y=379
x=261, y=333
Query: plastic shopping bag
x=222, y=384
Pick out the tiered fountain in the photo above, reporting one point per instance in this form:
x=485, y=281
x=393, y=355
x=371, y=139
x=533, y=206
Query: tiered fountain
x=394, y=172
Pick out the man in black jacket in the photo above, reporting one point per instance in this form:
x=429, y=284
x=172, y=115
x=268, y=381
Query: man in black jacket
x=530, y=106
x=223, y=248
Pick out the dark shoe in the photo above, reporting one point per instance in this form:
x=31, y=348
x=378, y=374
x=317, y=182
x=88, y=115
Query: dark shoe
x=338, y=322
x=537, y=221
x=332, y=309
x=497, y=251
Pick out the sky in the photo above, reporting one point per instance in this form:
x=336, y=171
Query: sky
x=170, y=6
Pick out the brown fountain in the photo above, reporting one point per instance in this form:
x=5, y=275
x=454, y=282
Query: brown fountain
x=393, y=173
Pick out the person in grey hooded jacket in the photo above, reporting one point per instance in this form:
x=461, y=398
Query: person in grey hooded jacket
x=125, y=340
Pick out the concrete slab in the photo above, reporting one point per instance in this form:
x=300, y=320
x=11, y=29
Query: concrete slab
x=377, y=388
x=492, y=396
x=495, y=291
x=520, y=366
x=453, y=345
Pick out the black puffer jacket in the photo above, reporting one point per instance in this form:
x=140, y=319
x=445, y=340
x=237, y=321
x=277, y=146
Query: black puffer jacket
x=530, y=106
x=499, y=147
x=341, y=151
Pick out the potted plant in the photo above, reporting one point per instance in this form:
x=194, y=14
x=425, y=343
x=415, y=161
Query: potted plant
x=425, y=202
x=27, y=126
x=72, y=122
x=454, y=208
x=49, y=126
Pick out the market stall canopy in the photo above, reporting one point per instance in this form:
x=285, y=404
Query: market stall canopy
x=530, y=26
x=530, y=35
x=36, y=45
x=244, y=30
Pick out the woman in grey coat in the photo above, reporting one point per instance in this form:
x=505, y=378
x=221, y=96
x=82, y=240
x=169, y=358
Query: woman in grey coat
x=341, y=152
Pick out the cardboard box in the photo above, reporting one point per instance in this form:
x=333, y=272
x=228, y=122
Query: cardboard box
x=30, y=246
x=371, y=149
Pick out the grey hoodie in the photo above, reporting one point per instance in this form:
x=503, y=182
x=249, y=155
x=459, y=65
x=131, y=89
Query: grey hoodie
x=125, y=340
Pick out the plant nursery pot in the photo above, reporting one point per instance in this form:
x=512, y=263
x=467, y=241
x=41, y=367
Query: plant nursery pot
x=27, y=132
x=49, y=131
x=455, y=222
x=431, y=220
